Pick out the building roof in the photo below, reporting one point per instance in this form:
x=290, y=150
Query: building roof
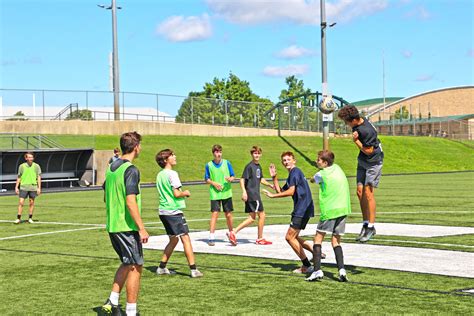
x=423, y=120
x=382, y=108
x=375, y=101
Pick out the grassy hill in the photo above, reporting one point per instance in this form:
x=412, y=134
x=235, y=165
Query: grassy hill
x=402, y=154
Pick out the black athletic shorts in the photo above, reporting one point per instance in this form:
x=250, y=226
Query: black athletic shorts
x=227, y=205
x=24, y=194
x=253, y=206
x=175, y=225
x=128, y=247
x=299, y=222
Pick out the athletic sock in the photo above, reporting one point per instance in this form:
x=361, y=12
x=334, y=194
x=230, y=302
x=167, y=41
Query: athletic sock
x=18, y=216
x=211, y=236
x=114, y=298
x=131, y=309
x=306, y=262
x=317, y=257
x=365, y=223
x=31, y=215
x=163, y=264
x=339, y=257
x=371, y=225
x=192, y=266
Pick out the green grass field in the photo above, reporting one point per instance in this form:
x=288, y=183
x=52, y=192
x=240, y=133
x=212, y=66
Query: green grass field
x=70, y=272
x=402, y=154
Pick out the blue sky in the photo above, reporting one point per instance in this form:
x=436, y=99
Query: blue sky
x=173, y=47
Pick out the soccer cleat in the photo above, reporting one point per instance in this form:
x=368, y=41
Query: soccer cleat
x=211, y=242
x=362, y=233
x=316, y=275
x=343, y=275
x=164, y=271
x=17, y=221
x=196, y=274
x=369, y=233
x=30, y=220
x=110, y=309
x=232, y=238
x=263, y=241
x=304, y=270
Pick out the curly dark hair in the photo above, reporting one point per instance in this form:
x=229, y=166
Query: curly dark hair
x=348, y=113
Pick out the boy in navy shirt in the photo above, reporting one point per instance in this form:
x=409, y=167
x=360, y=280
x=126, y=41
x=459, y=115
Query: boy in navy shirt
x=297, y=187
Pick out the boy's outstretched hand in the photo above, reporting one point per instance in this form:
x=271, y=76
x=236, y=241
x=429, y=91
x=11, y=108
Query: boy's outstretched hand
x=272, y=170
x=268, y=193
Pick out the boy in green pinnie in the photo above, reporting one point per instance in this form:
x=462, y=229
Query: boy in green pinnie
x=335, y=205
x=171, y=212
x=28, y=185
x=219, y=175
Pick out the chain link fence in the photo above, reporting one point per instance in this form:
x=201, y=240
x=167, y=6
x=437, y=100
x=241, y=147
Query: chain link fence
x=402, y=122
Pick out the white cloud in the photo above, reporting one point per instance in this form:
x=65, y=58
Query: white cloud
x=296, y=11
x=419, y=13
x=185, y=29
x=294, y=51
x=425, y=77
x=284, y=71
x=407, y=53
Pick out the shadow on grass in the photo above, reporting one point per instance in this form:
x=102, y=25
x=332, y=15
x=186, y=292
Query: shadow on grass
x=308, y=160
x=99, y=312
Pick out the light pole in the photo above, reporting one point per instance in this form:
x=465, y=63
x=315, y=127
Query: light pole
x=115, y=65
x=324, y=70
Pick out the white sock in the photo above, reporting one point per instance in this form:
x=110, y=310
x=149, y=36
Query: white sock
x=371, y=225
x=211, y=235
x=114, y=297
x=131, y=309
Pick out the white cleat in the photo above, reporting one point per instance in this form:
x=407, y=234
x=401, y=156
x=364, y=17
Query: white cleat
x=316, y=275
x=196, y=274
x=343, y=275
x=164, y=271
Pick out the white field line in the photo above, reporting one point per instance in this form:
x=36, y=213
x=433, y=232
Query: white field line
x=422, y=243
x=49, y=233
x=58, y=223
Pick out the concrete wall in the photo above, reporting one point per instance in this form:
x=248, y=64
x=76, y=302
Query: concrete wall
x=143, y=127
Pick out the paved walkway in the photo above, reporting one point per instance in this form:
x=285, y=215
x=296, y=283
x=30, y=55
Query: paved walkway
x=442, y=262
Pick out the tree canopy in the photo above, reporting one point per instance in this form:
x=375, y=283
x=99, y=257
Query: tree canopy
x=226, y=101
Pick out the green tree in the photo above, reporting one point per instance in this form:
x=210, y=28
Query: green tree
x=18, y=116
x=297, y=114
x=85, y=115
x=403, y=115
x=228, y=101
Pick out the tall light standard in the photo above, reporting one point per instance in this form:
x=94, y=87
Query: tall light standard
x=115, y=65
x=324, y=70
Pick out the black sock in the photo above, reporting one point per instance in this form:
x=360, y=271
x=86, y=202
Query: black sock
x=163, y=265
x=339, y=257
x=192, y=266
x=18, y=216
x=317, y=257
x=306, y=262
x=31, y=215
